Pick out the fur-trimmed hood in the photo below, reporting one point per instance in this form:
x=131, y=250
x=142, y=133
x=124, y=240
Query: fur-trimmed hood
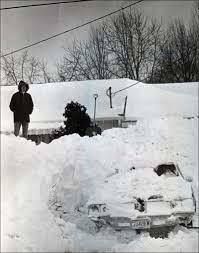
x=22, y=83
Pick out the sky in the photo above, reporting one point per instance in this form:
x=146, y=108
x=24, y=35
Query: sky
x=20, y=27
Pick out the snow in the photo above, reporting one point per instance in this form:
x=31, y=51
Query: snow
x=50, y=100
x=148, y=244
x=45, y=188
x=69, y=169
x=142, y=184
x=144, y=100
x=147, y=101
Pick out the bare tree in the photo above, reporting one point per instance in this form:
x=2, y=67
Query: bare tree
x=33, y=70
x=99, y=57
x=131, y=45
x=179, y=60
x=46, y=76
x=134, y=40
x=8, y=67
x=124, y=46
x=194, y=36
x=24, y=67
x=87, y=60
x=69, y=66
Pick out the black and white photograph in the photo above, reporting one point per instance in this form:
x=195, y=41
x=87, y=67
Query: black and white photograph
x=99, y=126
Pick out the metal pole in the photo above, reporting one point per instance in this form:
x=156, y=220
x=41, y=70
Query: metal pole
x=94, y=111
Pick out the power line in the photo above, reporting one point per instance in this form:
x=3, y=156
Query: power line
x=72, y=29
x=114, y=93
x=36, y=5
x=110, y=94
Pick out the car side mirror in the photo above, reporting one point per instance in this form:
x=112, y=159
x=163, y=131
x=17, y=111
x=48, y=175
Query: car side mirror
x=189, y=179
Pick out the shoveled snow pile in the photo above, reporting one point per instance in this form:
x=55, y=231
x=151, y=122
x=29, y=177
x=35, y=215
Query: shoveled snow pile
x=43, y=187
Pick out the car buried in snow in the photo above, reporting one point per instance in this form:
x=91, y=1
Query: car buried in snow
x=144, y=199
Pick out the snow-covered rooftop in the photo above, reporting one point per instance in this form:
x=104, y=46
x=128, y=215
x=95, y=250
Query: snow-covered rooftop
x=144, y=100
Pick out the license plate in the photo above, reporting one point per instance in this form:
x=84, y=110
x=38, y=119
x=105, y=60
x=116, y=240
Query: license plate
x=142, y=223
x=124, y=224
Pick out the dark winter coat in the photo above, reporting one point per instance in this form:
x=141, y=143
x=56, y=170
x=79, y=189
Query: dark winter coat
x=22, y=106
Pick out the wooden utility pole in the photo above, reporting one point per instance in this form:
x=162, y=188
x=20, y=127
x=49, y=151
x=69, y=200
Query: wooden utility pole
x=124, y=113
x=110, y=96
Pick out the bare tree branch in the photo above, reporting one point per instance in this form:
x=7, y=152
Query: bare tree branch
x=24, y=67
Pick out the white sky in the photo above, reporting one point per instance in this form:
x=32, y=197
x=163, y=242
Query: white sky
x=20, y=27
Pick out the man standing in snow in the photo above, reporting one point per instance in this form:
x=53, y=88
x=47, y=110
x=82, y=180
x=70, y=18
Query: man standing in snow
x=21, y=105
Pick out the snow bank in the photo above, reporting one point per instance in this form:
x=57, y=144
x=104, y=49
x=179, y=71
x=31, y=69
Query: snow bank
x=144, y=100
x=64, y=174
x=26, y=223
x=162, y=100
x=174, y=243
x=50, y=100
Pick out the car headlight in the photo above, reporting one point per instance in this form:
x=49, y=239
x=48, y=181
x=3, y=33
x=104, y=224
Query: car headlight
x=96, y=209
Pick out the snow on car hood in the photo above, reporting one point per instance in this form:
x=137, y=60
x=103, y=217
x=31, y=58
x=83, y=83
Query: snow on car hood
x=121, y=189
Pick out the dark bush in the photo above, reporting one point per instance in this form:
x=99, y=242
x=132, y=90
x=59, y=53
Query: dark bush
x=77, y=121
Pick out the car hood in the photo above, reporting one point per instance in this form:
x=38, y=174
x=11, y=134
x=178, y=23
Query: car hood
x=120, y=192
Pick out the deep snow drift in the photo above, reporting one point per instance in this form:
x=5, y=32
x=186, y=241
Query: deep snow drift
x=43, y=186
x=144, y=100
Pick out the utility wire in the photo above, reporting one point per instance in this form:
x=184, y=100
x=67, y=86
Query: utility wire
x=62, y=2
x=111, y=94
x=72, y=29
x=114, y=93
x=36, y=5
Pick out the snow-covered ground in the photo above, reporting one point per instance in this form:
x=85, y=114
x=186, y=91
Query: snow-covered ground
x=144, y=100
x=63, y=175
x=50, y=100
